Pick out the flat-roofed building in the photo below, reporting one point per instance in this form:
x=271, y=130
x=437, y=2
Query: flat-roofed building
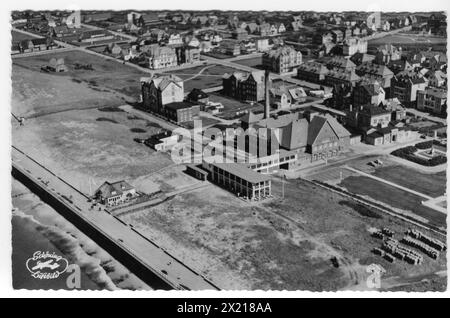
x=240, y=179
x=181, y=112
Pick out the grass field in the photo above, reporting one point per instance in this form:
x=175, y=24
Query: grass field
x=210, y=77
x=400, y=38
x=107, y=74
x=251, y=62
x=394, y=197
x=433, y=185
x=19, y=36
x=279, y=244
x=35, y=93
x=83, y=148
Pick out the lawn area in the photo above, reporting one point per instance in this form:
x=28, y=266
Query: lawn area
x=19, y=36
x=279, y=244
x=251, y=62
x=402, y=38
x=35, y=93
x=433, y=185
x=87, y=147
x=107, y=74
x=394, y=197
x=210, y=77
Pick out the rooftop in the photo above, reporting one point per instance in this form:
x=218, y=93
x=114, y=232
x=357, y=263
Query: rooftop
x=243, y=172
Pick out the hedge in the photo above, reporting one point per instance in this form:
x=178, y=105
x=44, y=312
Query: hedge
x=408, y=154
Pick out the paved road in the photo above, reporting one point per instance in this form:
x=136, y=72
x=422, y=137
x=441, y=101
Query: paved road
x=149, y=254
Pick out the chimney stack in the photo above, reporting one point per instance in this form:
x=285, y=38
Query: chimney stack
x=267, y=97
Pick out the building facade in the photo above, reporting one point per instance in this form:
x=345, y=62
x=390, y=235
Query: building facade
x=160, y=91
x=244, y=86
x=282, y=60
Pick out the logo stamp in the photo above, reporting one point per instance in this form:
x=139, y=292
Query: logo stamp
x=46, y=265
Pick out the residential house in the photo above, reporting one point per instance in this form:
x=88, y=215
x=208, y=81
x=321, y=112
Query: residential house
x=380, y=73
x=230, y=47
x=160, y=91
x=198, y=96
x=282, y=59
x=244, y=86
x=313, y=72
x=252, y=28
x=265, y=29
x=386, y=54
x=433, y=100
x=338, y=36
x=280, y=27
x=398, y=111
x=341, y=63
x=262, y=45
x=239, y=34
x=352, y=46
x=360, y=58
x=113, y=49
x=341, y=76
x=436, y=78
x=368, y=93
x=187, y=54
x=248, y=47
x=282, y=97
x=174, y=39
x=405, y=85
x=57, y=65
x=401, y=65
x=111, y=194
x=160, y=56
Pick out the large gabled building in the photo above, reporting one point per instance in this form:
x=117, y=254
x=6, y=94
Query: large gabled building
x=282, y=60
x=405, y=86
x=380, y=73
x=160, y=91
x=244, y=86
x=313, y=72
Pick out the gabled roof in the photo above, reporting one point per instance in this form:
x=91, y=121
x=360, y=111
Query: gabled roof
x=113, y=189
x=318, y=123
x=341, y=62
x=375, y=69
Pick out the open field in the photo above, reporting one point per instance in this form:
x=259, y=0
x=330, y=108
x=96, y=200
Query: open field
x=433, y=185
x=404, y=38
x=394, y=197
x=88, y=147
x=251, y=62
x=35, y=93
x=210, y=77
x=107, y=74
x=278, y=244
x=18, y=36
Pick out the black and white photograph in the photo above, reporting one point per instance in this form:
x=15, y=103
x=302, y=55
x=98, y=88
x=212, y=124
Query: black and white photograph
x=221, y=149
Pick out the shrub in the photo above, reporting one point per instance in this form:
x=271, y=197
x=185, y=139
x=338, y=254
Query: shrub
x=138, y=130
x=424, y=145
x=107, y=119
x=408, y=154
x=111, y=109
